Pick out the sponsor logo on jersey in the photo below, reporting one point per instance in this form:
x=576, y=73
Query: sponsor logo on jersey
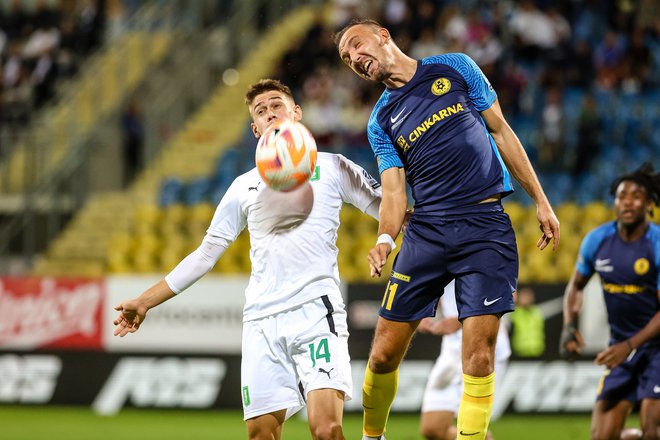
x=400, y=276
x=419, y=131
x=440, y=86
x=641, y=266
x=628, y=289
x=393, y=119
x=401, y=142
x=399, y=118
x=603, y=265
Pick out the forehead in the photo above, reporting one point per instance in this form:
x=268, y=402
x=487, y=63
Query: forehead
x=269, y=96
x=354, y=34
x=630, y=186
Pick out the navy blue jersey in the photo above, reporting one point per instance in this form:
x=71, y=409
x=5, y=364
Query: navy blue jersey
x=432, y=128
x=629, y=275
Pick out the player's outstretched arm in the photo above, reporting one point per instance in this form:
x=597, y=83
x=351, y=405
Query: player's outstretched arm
x=440, y=327
x=132, y=313
x=392, y=212
x=571, y=340
x=518, y=163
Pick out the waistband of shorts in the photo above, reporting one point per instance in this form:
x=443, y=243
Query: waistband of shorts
x=477, y=208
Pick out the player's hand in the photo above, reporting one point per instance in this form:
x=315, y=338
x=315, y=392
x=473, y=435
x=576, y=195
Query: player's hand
x=549, y=226
x=377, y=258
x=132, y=314
x=614, y=355
x=426, y=325
x=571, y=341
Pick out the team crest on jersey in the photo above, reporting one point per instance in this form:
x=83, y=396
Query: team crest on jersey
x=641, y=266
x=440, y=86
x=402, y=143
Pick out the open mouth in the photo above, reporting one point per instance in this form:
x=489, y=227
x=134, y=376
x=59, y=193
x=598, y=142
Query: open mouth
x=367, y=67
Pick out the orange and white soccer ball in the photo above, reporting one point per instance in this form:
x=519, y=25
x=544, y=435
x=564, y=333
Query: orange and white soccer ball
x=286, y=155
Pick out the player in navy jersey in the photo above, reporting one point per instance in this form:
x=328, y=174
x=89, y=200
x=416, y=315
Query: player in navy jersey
x=438, y=126
x=626, y=255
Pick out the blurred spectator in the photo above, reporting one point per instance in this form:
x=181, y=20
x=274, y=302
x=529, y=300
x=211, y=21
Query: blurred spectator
x=40, y=45
x=16, y=21
x=90, y=25
x=579, y=68
x=607, y=57
x=588, y=139
x=552, y=129
x=427, y=45
x=510, y=82
x=132, y=130
x=43, y=78
x=322, y=114
x=637, y=63
x=527, y=326
x=486, y=50
x=534, y=32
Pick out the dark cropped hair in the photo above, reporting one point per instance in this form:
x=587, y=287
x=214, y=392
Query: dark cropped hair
x=645, y=176
x=266, y=85
x=354, y=22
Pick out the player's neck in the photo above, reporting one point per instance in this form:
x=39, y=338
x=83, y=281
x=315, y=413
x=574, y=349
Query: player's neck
x=630, y=233
x=406, y=68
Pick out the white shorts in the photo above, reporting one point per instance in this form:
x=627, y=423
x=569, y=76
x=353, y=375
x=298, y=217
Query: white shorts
x=444, y=388
x=287, y=355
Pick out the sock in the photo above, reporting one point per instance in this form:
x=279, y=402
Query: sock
x=476, y=405
x=378, y=391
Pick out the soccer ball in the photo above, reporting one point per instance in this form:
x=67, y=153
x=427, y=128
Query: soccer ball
x=286, y=155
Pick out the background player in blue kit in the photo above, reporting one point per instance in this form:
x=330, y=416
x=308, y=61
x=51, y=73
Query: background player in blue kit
x=626, y=255
x=438, y=126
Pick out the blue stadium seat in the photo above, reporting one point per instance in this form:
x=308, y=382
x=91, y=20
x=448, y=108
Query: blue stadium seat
x=197, y=191
x=171, y=192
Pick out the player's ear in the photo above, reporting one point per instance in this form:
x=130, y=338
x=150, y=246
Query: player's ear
x=255, y=130
x=384, y=35
x=297, y=113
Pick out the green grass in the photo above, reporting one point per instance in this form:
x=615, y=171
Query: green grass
x=69, y=423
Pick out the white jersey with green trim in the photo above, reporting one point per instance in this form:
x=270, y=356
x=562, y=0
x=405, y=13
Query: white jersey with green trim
x=292, y=249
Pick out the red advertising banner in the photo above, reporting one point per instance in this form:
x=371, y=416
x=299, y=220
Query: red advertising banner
x=63, y=313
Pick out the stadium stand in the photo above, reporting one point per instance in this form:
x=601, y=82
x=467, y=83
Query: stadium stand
x=190, y=153
x=584, y=102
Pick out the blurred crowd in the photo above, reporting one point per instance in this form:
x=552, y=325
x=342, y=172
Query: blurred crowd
x=577, y=79
x=41, y=42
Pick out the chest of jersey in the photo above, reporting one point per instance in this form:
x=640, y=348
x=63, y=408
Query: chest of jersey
x=430, y=111
x=626, y=268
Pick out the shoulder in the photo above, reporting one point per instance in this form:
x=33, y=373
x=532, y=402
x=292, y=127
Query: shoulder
x=653, y=235
x=457, y=61
x=382, y=101
x=336, y=162
x=331, y=159
x=243, y=182
x=597, y=235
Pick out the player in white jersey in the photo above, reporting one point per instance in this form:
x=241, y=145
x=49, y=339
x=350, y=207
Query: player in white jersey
x=295, y=336
x=445, y=384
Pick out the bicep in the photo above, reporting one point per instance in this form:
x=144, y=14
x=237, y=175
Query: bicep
x=494, y=118
x=393, y=181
